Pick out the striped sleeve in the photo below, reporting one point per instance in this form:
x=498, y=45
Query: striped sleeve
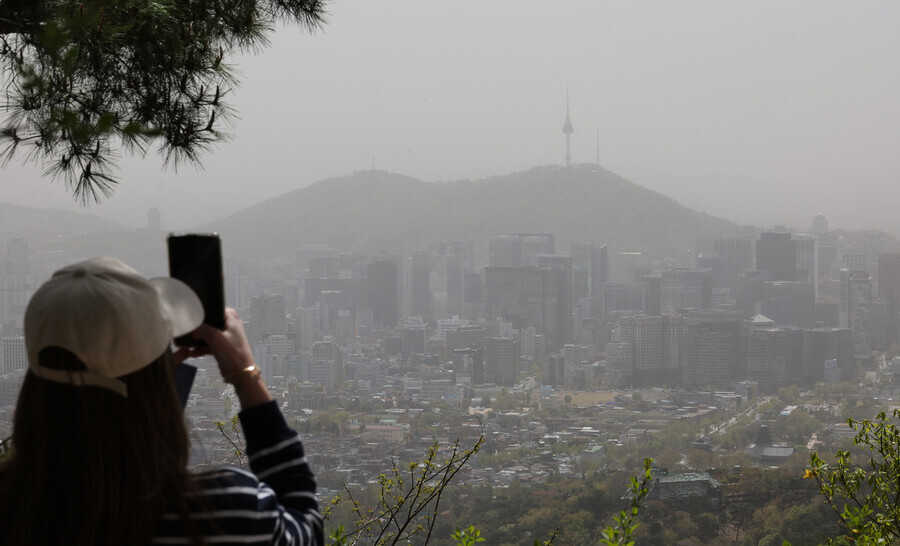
x=275, y=503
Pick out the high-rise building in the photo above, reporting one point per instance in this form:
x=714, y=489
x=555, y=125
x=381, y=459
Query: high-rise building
x=776, y=253
x=822, y=344
x=828, y=312
x=535, y=245
x=765, y=355
x=859, y=299
x=791, y=304
x=267, y=317
x=711, y=348
x=685, y=288
x=750, y=298
x=622, y=297
x=505, y=251
x=820, y=224
x=807, y=250
x=420, y=287
x=15, y=357
x=531, y=296
x=412, y=336
x=305, y=328
x=382, y=282
x=599, y=269
x=656, y=347
x=855, y=262
x=501, y=360
x=889, y=289
x=455, y=295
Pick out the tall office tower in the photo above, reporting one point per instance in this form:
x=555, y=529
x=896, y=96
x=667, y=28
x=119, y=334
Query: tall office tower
x=765, y=355
x=531, y=296
x=828, y=256
x=469, y=336
x=420, y=284
x=16, y=281
x=505, y=251
x=855, y=262
x=567, y=130
x=535, y=245
x=889, y=289
x=599, y=269
x=581, y=255
x=830, y=288
x=820, y=224
x=329, y=350
x=878, y=324
x=15, y=357
x=267, y=317
x=776, y=253
x=533, y=345
x=412, y=337
x=716, y=266
x=791, y=304
x=821, y=344
x=737, y=253
x=751, y=292
x=305, y=325
x=323, y=267
x=711, y=348
x=153, y=219
x=622, y=266
x=828, y=312
x=501, y=360
x=562, y=263
x=455, y=295
x=345, y=325
x=554, y=370
x=382, y=282
x=859, y=300
x=464, y=249
x=319, y=372
x=807, y=249
x=618, y=363
x=580, y=284
x=271, y=354
x=656, y=347
x=622, y=297
x=685, y=288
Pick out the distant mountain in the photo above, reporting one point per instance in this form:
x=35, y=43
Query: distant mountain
x=71, y=236
x=376, y=210
x=42, y=225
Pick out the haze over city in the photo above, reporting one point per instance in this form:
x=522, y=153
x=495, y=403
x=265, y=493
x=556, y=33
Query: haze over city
x=757, y=113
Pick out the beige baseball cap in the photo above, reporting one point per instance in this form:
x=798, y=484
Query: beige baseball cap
x=113, y=319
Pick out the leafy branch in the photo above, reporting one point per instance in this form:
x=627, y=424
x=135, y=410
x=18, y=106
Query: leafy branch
x=408, y=499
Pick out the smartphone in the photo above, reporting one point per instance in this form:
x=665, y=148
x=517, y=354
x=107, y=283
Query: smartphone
x=196, y=260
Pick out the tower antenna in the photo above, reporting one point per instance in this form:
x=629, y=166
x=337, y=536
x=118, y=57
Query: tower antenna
x=567, y=130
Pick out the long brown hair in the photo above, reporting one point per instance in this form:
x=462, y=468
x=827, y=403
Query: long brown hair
x=89, y=466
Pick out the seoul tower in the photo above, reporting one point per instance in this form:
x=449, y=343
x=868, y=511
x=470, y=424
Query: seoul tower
x=567, y=130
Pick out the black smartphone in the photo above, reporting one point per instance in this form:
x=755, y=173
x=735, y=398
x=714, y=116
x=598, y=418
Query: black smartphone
x=196, y=260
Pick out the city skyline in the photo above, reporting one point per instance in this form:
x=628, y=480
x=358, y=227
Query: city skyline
x=714, y=105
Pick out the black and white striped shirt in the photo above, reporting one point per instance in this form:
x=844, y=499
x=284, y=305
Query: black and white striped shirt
x=274, y=504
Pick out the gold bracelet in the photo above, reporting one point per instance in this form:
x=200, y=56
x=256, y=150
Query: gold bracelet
x=250, y=372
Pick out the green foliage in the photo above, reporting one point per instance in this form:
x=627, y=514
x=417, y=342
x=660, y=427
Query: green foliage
x=232, y=432
x=865, y=497
x=87, y=78
x=407, y=502
x=467, y=537
x=626, y=521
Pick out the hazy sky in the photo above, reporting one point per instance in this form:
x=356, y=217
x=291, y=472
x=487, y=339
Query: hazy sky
x=758, y=112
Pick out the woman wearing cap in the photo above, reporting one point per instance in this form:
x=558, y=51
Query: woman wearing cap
x=100, y=448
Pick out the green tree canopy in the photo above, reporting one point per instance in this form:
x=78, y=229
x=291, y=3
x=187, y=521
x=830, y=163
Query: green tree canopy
x=83, y=81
